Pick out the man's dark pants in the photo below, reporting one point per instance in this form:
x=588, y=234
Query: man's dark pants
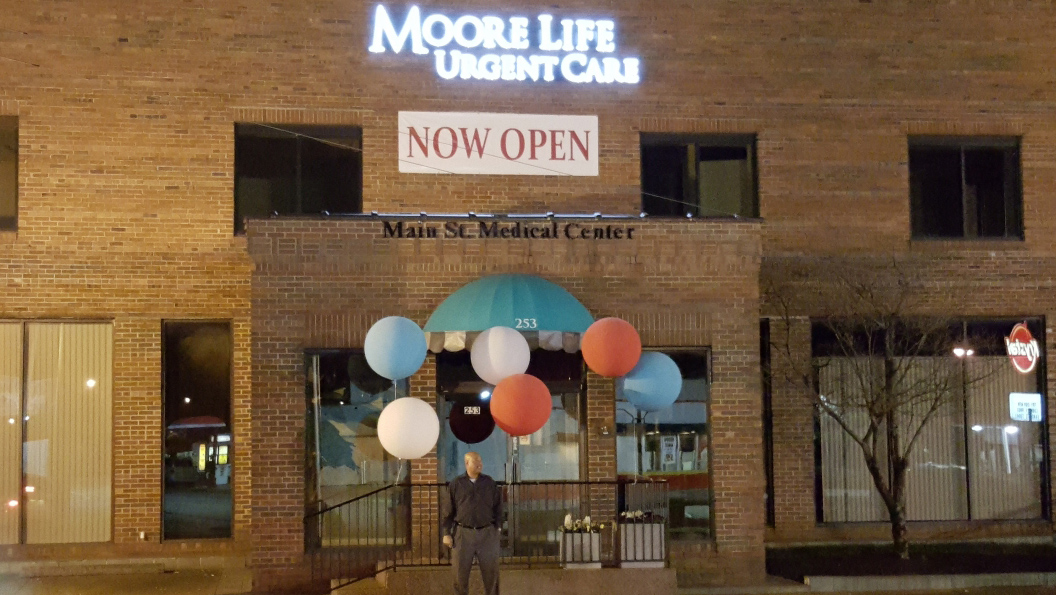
x=484, y=545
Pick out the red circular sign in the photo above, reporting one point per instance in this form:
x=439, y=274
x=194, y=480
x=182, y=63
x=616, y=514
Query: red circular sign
x=1022, y=349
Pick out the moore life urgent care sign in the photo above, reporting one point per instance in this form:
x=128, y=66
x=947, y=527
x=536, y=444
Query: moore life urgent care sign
x=520, y=48
x=498, y=144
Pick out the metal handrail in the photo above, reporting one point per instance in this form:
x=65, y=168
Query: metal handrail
x=400, y=525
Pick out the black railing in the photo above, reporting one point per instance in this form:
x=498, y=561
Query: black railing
x=400, y=525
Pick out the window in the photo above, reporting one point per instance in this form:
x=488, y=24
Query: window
x=673, y=445
x=199, y=445
x=344, y=459
x=296, y=170
x=344, y=398
x=965, y=187
x=56, y=432
x=8, y=172
x=971, y=461
x=705, y=176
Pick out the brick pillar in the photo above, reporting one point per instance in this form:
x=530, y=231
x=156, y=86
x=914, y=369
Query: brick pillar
x=793, y=427
x=137, y=429
x=424, y=503
x=601, y=445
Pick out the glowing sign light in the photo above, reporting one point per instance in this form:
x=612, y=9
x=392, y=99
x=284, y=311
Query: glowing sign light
x=574, y=50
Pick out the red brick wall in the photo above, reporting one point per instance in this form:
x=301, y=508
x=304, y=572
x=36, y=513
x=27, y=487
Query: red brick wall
x=126, y=173
x=696, y=286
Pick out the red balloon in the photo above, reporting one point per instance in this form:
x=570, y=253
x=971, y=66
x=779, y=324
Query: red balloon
x=611, y=347
x=520, y=404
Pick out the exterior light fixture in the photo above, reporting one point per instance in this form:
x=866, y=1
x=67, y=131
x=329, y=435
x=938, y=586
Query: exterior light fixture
x=977, y=428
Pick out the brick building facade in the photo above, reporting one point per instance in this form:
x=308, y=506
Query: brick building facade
x=125, y=215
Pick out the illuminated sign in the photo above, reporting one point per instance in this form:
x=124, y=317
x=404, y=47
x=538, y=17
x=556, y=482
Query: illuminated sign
x=1022, y=349
x=493, y=48
x=1024, y=406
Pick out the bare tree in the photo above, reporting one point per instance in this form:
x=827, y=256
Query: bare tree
x=888, y=367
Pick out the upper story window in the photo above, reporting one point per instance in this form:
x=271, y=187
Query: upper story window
x=293, y=170
x=8, y=172
x=703, y=176
x=965, y=187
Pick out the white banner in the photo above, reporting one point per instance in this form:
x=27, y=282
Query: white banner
x=498, y=144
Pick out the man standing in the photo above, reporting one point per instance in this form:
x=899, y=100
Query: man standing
x=473, y=516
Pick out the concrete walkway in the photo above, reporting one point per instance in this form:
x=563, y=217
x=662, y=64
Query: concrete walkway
x=237, y=582
x=177, y=582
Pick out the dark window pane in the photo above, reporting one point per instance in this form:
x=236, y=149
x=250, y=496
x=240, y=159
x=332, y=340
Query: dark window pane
x=330, y=178
x=199, y=444
x=935, y=191
x=293, y=170
x=984, y=173
x=8, y=172
x=663, y=173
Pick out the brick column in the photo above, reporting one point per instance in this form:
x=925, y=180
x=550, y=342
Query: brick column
x=424, y=503
x=793, y=428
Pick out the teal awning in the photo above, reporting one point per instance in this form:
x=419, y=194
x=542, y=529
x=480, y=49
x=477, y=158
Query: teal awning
x=522, y=302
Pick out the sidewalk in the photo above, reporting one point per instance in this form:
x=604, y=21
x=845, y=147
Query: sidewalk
x=177, y=582
x=237, y=582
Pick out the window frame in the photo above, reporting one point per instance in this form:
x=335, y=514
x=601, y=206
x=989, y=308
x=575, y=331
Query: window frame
x=348, y=137
x=691, y=204
x=1012, y=174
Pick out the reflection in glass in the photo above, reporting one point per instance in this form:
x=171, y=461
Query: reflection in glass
x=197, y=393
x=672, y=445
x=344, y=458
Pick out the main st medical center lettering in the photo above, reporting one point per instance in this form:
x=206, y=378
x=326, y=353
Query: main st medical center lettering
x=494, y=229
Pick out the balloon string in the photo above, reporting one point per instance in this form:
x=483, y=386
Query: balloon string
x=399, y=473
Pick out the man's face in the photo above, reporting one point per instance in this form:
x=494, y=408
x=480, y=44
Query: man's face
x=474, y=466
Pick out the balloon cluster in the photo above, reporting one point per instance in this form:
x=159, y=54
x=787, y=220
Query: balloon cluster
x=520, y=404
x=395, y=348
x=650, y=381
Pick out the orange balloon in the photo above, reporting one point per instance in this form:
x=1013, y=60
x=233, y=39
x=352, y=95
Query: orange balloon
x=520, y=404
x=611, y=347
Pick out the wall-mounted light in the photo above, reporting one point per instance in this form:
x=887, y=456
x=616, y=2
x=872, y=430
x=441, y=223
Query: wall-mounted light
x=977, y=428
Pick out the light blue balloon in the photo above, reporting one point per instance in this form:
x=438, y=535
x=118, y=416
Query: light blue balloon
x=653, y=384
x=395, y=347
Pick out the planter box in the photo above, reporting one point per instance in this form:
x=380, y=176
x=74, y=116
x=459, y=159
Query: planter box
x=642, y=545
x=581, y=550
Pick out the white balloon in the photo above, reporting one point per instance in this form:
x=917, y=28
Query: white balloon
x=408, y=428
x=498, y=353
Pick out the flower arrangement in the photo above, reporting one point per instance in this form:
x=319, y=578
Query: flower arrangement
x=638, y=516
x=584, y=525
